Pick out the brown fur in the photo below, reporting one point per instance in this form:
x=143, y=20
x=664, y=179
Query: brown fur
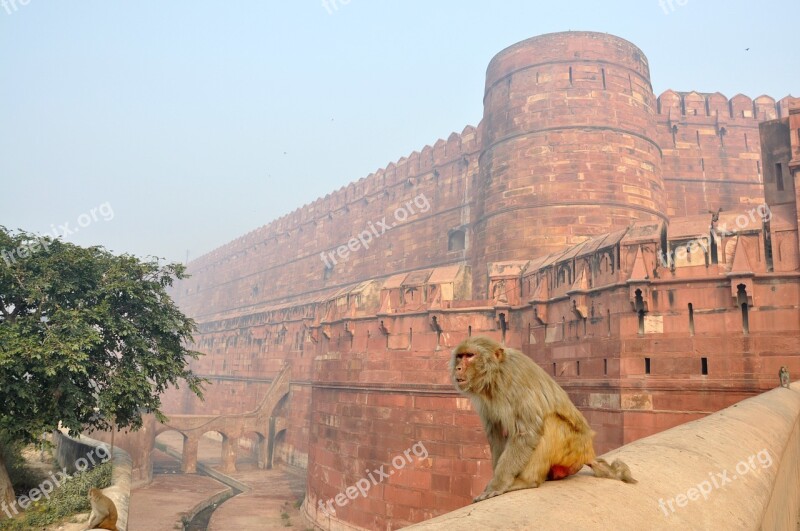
x=534, y=430
x=104, y=512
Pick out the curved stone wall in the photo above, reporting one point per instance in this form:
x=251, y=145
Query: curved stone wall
x=568, y=129
x=69, y=450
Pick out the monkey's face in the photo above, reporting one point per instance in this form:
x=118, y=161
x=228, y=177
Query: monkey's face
x=474, y=363
x=462, y=369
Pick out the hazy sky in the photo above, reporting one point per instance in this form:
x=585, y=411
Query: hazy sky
x=187, y=123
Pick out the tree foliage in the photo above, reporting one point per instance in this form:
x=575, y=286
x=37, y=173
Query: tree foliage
x=87, y=338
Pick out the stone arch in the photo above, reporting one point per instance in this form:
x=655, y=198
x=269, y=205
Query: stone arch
x=212, y=442
x=281, y=406
x=252, y=449
x=564, y=274
x=278, y=447
x=277, y=423
x=168, y=441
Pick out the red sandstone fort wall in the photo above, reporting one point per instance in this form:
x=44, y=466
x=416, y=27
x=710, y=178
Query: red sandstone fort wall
x=374, y=394
x=568, y=116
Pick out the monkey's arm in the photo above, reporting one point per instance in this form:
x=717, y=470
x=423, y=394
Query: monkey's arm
x=497, y=441
x=95, y=518
x=517, y=452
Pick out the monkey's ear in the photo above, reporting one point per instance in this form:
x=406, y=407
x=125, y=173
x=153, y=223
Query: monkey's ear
x=500, y=354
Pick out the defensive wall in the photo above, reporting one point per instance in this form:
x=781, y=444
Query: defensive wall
x=636, y=247
x=705, y=145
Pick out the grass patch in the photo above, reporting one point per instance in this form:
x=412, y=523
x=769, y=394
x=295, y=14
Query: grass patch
x=69, y=498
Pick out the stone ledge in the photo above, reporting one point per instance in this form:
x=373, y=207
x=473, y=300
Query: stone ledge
x=120, y=489
x=763, y=432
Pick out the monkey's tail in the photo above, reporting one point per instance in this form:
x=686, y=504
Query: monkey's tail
x=616, y=470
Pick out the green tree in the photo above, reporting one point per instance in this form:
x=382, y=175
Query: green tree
x=87, y=338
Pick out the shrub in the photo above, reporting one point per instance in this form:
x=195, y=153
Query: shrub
x=22, y=476
x=71, y=497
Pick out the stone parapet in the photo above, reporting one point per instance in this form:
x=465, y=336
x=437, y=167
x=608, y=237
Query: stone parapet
x=736, y=469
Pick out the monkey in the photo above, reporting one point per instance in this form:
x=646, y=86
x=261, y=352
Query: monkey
x=783, y=374
x=535, y=433
x=104, y=512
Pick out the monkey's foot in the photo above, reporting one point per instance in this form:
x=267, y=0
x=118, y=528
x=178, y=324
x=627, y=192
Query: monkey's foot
x=486, y=495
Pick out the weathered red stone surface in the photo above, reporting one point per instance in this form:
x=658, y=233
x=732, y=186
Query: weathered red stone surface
x=625, y=242
x=149, y=510
x=569, y=147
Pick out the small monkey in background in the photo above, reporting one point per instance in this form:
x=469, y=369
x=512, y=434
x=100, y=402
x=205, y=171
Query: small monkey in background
x=535, y=432
x=104, y=512
x=783, y=374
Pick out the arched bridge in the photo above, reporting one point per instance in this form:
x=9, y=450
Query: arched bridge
x=262, y=421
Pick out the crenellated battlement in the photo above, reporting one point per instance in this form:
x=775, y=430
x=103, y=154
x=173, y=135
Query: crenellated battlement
x=366, y=189
x=680, y=105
